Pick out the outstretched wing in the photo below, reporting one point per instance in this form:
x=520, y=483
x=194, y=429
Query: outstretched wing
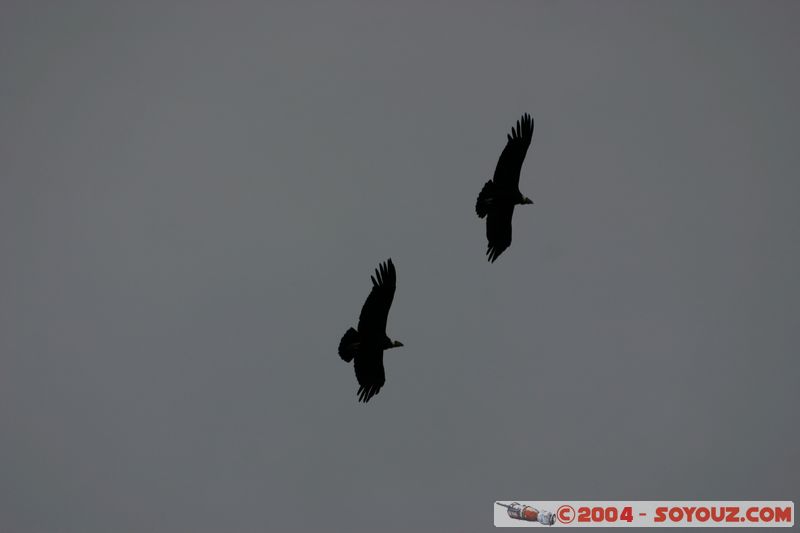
x=506, y=174
x=372, y=321
x=369, y=373
x=498, y=231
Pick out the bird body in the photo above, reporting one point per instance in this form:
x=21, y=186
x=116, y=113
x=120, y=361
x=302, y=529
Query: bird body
x=501, y=194
x=365, y=345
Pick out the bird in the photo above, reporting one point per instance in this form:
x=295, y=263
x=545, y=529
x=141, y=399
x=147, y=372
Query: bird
x=365, y=345
x=500, y=194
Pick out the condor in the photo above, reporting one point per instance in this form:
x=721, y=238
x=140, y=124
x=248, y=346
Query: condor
x=365, y=346
x=498, y=197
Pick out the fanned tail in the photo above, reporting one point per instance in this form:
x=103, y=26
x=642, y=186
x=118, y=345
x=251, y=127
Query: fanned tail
x=348, y=346
x=484, y=202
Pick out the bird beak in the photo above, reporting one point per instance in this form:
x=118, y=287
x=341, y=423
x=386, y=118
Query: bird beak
x=397, y=344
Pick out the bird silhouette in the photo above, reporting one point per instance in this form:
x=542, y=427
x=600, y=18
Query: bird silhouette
x=500, y=194
x=365, y=346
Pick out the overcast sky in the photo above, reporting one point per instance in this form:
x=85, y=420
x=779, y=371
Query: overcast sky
x=193, y=198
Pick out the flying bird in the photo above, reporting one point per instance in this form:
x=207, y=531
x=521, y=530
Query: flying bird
x=365, y=346
x=498, y=197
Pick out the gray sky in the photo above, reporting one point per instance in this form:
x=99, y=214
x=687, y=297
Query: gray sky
x=193, y=197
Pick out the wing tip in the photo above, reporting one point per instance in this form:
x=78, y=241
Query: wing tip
x=523, y=127
x=384, y=272
x=493, y=252
x=365, y=394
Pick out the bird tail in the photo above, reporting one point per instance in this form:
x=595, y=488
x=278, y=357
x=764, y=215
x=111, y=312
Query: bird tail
x=484, y=202
x=348, y=346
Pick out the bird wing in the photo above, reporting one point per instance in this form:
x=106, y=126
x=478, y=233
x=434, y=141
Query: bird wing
x=372, y=321
x=369, y=373
x=510, y=163
x=498, y=231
